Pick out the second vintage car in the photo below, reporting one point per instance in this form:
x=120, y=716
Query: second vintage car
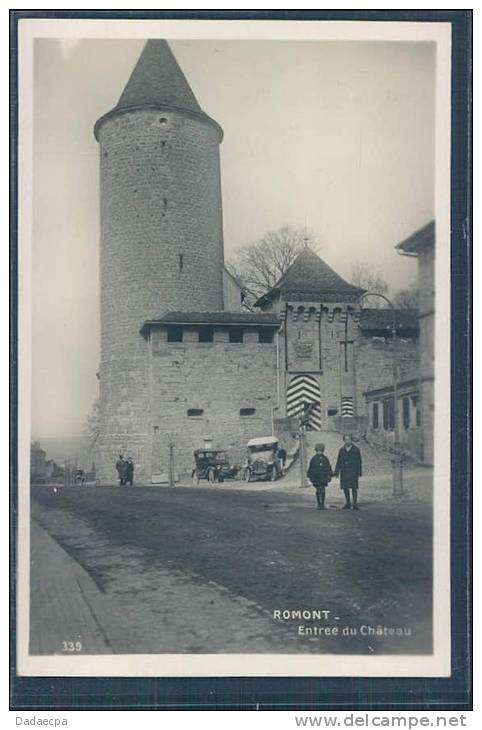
x=263, y=461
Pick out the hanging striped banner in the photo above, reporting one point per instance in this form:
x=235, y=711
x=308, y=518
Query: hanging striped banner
x=347, y=406
x=304, y=389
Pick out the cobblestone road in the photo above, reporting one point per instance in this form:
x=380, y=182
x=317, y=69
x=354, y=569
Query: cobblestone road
x=203, y=570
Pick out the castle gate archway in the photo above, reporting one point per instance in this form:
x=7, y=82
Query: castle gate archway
x=304, y=389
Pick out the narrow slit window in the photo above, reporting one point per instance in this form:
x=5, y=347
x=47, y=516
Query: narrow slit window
x=194, y=412
x=247, y=411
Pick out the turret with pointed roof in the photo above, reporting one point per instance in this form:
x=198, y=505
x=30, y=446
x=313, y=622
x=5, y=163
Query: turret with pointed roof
x=309, y=278
x=161, y=229
x=157, y=82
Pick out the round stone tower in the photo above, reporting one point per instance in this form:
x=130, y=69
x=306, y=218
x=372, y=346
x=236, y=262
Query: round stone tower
x=161, y=234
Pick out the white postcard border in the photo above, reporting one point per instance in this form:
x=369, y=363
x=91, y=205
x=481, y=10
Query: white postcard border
x=176, y=665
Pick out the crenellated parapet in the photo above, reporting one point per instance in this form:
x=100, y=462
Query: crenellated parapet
x=333, y=312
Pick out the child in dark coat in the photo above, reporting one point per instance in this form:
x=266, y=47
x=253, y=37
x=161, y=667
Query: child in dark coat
x=319, y=474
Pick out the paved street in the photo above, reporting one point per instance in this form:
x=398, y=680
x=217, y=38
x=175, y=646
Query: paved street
x=206, y=569
x=67, y=611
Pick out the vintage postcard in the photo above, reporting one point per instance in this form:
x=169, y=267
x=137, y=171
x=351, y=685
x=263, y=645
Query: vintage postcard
x=234, y=348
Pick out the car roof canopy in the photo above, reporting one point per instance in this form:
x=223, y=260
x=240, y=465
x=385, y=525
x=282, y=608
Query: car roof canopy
x=263, y=440
x=210, y=451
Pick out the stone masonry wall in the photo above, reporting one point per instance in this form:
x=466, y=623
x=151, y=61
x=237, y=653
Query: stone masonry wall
x=124, y=415
x=161, y=222
x=218, y=378
x=161, y=249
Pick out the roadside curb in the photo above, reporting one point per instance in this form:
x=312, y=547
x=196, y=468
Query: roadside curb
x=67, y=609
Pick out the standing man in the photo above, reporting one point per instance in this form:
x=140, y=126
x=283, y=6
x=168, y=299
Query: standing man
x=121, y=466
x=130, y=471
x=319, y=474
x=282, y=458
x=349, y=468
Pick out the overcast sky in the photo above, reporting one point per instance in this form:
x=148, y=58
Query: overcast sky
x=337, y=136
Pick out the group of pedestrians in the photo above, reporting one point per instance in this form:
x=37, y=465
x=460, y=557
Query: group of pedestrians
x=348, y=468
x=125, y=470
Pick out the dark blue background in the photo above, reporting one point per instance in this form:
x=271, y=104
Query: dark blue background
x=310, y=693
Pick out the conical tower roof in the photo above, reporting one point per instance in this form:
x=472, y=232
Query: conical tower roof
x=157, y=79
x=310, y=278
x=157, y=82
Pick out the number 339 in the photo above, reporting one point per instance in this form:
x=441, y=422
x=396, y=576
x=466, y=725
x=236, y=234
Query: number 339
x=71, y=646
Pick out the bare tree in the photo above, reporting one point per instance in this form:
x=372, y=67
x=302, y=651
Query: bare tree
x=363, y=276
x=407, y=298
x=258, y=266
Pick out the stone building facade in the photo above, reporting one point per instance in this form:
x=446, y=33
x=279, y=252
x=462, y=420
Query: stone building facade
x=416, y=390
x=380, y=429
x=332, y=348
x=181, y=361
x=161, y=230
x=421, y=244
x=162, y=252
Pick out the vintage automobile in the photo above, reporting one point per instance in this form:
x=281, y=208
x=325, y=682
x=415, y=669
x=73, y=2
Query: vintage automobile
x=213, y=465
x=263, y=461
